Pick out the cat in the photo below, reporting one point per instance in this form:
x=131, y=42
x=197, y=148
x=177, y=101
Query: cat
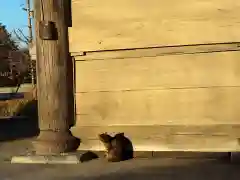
x=118, y=148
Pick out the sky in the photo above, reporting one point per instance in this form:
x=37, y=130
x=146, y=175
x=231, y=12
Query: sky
x=12, y=15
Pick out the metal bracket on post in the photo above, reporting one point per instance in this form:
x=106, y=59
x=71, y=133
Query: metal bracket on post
x=47, y=30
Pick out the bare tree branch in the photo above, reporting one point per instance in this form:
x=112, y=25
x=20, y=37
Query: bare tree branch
x=20, y=36
x=25, y=37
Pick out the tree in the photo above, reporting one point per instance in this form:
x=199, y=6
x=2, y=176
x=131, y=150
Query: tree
x=14, y=61
x=6, y=39
x=23, y=39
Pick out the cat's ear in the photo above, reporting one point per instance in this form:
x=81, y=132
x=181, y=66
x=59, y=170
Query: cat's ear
x=104, y=137
x=106, y=140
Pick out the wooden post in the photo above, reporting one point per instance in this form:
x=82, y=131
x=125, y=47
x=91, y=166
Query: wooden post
x=52, y=55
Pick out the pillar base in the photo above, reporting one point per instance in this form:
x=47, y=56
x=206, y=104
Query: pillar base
x=36, y=159
x=55, y=142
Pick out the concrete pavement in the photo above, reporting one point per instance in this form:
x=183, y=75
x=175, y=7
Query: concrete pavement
x=151, y=168
x=164, y=169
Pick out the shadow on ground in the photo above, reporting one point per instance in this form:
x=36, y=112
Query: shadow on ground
x=208, y=170
x=23, y=125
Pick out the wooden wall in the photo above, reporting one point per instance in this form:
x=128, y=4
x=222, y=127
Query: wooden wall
x=158, y=95
x=110, y=24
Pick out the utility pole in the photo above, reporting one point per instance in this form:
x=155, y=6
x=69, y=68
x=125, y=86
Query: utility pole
x=29, y=11
x=51, y=28
x=30, y=36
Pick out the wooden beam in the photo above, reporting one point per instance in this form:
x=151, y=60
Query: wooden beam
x=52, y=55
x=157, y=51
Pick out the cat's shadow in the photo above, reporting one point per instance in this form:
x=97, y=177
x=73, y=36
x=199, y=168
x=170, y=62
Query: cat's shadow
x=88, y=156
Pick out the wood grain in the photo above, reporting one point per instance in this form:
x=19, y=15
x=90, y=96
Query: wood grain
x=152, y=107
x=164, y=72
x=52, y=56
x=112, y=24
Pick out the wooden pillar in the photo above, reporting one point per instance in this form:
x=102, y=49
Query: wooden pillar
x=52, y=55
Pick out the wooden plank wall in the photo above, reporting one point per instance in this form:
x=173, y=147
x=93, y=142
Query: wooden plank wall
x=162, y=102
x=184, y=89
x=112, y=24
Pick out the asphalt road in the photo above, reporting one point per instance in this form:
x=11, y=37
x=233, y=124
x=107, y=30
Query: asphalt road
x=23, y=88
x=9, y=96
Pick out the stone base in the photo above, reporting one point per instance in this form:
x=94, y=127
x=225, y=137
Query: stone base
x=52, y=142
x=37, y=159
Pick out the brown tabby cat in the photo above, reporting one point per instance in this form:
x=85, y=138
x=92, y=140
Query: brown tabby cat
x=118, y=147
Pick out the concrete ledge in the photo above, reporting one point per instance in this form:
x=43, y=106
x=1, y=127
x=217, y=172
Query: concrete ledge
x=61, y=159
x=170, y=154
